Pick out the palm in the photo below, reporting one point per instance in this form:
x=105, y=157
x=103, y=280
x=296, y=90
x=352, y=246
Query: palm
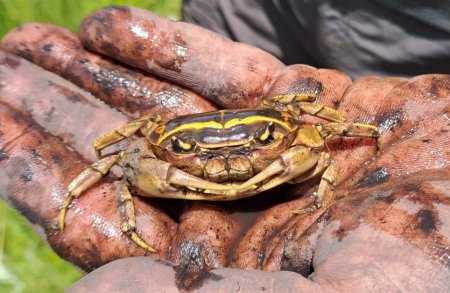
x=392, y=211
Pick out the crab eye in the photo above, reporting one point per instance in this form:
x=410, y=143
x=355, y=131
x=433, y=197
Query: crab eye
x=267, y=133
x=180, y=146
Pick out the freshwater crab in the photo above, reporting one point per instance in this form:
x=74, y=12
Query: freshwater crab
x=223, y=155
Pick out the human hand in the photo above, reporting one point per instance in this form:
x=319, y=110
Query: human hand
x=397, y=200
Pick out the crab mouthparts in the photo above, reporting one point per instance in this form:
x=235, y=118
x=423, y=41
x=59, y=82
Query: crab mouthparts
x=234, y=167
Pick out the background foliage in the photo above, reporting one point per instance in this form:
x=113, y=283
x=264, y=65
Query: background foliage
x=69, y=13
x=27, y=263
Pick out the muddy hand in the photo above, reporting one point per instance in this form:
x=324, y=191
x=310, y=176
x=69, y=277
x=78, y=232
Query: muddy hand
x=47, y=126
x=57, y=118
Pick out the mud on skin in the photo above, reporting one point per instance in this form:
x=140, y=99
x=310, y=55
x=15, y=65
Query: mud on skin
x=29, y=170
x=203, y=242
x=413, y=208
x=400, y=221
x=165, y=48
x=129, y=90
x=49, y=111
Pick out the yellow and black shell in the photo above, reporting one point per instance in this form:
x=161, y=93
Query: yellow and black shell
x=225, y=128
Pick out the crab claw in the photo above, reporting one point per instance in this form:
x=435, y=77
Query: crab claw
x=290, y=164
x=181, y=178
x=157, y=178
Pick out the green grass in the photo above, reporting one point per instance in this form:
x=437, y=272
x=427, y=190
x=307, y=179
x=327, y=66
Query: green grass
x=27, y=263
x=69, y=13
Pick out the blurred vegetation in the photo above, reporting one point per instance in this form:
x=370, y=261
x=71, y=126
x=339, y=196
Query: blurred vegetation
x=69, y=13
x=27, y=263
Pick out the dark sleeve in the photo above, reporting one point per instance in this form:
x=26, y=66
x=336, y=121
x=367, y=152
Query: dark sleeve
x=359, y=37
x=270, y=25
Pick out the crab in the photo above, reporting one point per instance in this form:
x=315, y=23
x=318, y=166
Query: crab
x=222, y=156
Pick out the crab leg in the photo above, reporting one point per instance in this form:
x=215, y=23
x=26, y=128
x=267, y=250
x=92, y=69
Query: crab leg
x=288, y=102
x=321, y=111
x=302, y=102
x=324, y=194
x=128, y=217
x=290, y=98
x=350, y=129
x=329, y=130
x=123, y=132
x=84, y=180
x=323, y=162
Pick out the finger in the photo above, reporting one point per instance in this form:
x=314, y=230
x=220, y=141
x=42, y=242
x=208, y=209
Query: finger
x=413, y=119
x=329, y=78
x=231, y=74
x=204, y=240
x=303, y=78
x=365, y=100
x=133, y=274
x=129, y=90
x=293, y=248
x=250, y=253
x=35, y=168
x=394, y=235
x=56, y=105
